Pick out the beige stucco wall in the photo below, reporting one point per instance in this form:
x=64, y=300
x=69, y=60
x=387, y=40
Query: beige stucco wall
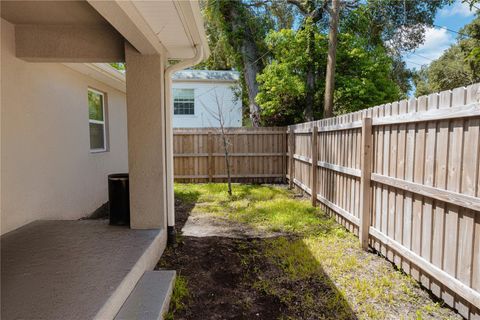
x=47, y=170
x=146, y=139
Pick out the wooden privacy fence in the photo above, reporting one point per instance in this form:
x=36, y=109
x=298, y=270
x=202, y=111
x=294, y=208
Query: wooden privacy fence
x=405, y=178
x=256, y=155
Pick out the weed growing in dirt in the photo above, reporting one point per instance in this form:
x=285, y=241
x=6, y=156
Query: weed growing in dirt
x=321, y=272
x=179, y=296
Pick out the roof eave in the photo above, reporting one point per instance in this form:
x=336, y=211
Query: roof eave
x=192, y=20
x=101, y=72
x=205, y=80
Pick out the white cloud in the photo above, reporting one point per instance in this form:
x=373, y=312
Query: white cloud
x=458, y=8
x=436, y=42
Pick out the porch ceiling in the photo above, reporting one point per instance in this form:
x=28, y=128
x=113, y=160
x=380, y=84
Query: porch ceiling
x=50, y=12
x=72, y=269
x=167, y=27
x=62, y=31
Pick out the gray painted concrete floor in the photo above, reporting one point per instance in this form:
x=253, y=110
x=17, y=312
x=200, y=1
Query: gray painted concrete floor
x=66, y=269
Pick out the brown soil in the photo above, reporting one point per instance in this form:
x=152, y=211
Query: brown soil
x=225, y=277
x=218, y=281
x=221, y=273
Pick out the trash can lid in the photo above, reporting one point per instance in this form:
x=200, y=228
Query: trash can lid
x=118, y=176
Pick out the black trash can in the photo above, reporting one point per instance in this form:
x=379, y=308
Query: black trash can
x=119, y=201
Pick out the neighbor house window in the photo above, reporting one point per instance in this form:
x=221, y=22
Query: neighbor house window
x=96, y=116
x=183, y=101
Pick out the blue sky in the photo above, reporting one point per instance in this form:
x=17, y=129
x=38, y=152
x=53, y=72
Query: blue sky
x=437, y=40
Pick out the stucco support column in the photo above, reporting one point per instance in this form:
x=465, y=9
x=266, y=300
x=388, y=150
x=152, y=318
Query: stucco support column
x=146, y=138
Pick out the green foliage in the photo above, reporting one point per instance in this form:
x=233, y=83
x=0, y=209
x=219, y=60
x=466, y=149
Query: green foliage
x=290, y=51
x=120, y=66
x=235, y=34
x=363, y=76
x=282, y=86
x=180, y=295
x=458, y=66
x=280, y=89
x=401, y=24
x=256, y=19
x=95, y=106
x=369, y=69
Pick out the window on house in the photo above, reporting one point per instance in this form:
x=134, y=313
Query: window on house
x=183, y=101
x=96, y=119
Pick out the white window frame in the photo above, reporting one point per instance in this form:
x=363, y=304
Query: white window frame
x=104, y=123
x=194, y=115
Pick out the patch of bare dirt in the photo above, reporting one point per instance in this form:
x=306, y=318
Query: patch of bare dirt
x=219, y=276
x=204, y=225
x=219, y=281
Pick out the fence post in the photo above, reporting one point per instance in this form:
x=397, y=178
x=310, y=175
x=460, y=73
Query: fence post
x=210, y=163
x=313, y=175
x=365, y=196
x=291, y=145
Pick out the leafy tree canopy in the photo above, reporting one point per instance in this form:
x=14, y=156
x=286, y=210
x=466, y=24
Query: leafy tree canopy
x=283, y=44
x=363, y=76
x=458, y=66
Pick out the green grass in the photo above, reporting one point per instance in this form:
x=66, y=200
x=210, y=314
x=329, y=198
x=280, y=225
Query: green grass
x=314, y=248
x=179, y=296
x=264, y=207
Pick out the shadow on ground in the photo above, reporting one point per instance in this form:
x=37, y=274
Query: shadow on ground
x=311, y=268
x=241, y=279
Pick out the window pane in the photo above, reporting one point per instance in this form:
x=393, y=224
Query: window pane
x=95, y=106
x=183, y=94
x=97, y=140
x=183, y=101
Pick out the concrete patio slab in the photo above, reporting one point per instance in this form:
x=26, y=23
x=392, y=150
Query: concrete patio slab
x=73, y=269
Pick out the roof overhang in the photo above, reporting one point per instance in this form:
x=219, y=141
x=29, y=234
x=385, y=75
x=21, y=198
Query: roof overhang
x=209, y=76
x=110, y=76
x=102, y=72
x=96, y=30
x=167, y=27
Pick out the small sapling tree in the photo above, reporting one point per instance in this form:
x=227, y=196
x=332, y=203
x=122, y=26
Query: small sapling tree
x=217, y=112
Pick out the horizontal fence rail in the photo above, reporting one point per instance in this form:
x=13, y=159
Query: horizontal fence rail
x=256, y=155
x=404, y=177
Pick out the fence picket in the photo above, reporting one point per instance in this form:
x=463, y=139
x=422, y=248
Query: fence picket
x=365, y=182
x=314, y=167
x=413, y=195
x=257, y=155
x=424, y=192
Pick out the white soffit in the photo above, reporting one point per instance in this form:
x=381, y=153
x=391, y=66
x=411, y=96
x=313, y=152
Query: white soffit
x=170, y=25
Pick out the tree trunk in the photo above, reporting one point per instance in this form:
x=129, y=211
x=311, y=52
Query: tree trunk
x=246, y=45
x=310, y=76
x=250, y=71
x=310, y=94
x=227, y=160
x=332, y=53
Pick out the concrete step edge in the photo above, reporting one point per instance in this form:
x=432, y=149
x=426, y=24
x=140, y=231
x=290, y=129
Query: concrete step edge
x=150, y=298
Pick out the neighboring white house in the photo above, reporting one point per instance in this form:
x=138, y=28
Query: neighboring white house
x=197, y=94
